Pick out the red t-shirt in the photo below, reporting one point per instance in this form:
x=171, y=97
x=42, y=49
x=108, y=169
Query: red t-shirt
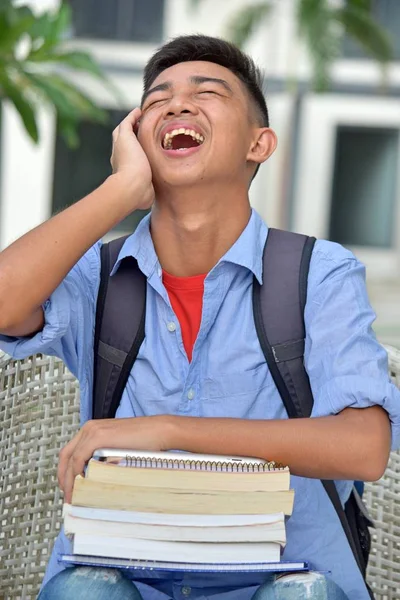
x=186, y=297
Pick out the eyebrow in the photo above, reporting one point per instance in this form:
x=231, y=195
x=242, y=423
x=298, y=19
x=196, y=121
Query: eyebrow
x=196, y=79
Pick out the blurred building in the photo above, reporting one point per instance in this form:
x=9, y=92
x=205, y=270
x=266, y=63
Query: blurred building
x=334, y=175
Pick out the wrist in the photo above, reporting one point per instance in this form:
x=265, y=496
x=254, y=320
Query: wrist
x=170, y=426
x=133, y=192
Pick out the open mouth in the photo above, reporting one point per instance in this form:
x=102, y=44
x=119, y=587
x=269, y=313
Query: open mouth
x=181, y=139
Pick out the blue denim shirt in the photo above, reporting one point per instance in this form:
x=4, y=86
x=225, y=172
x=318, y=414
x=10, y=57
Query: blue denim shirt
x=228, y=376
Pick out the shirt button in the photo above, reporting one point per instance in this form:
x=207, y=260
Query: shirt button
x=191, y=394
x=159, y=271
x=171, y=326
x=186, y=591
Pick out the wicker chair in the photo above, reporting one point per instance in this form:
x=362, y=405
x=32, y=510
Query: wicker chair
x=39, y=411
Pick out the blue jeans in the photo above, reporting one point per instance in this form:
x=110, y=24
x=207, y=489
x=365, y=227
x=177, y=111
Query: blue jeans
x=87, y=583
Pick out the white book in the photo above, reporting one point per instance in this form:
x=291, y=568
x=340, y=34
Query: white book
x=187, y=552
x=184, y=520
x=269, y=532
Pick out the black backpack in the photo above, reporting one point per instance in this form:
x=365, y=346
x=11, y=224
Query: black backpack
x=278, y=310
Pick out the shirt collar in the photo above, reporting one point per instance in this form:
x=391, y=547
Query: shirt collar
x=140, y=246
x=247, y=251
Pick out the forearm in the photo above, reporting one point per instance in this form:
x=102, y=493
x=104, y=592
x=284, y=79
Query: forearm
x=352, y=445
x=34, y=265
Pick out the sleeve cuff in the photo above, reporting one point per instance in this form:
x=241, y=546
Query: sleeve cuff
x=57, y=318
x=351, y=392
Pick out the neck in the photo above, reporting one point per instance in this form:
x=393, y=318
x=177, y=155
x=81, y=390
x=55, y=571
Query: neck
x=193, y=228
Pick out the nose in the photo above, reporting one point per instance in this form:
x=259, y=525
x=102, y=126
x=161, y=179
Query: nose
x=179, y=105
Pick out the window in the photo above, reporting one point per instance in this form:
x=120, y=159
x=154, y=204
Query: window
x=387, y=13
x=78, y=172
x=365, y=187
x=123, y=20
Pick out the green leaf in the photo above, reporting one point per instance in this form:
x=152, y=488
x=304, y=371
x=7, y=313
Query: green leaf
x=245, y=21
x=22, y=12
x=25, y=109
x=40, y=29
x=316, y=27
x=62, y=22
x=14, y=23
x=48, y=31
x=3, y=25
x=363, y=4
x=81, y=61
x=69, y=101
x=364, y=30
x=309, y=12
x=69, y=131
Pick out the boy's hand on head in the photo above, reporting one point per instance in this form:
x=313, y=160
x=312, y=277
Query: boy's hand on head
x=129, y=161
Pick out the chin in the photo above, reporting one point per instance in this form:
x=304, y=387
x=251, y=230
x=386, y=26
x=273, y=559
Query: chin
x=184, y=175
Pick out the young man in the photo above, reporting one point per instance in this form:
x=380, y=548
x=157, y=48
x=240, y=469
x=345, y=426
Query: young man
x=200, y=382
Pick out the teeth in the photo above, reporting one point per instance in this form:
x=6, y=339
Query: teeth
x=167, y=141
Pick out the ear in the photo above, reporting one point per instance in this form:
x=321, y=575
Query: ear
x=262, y=146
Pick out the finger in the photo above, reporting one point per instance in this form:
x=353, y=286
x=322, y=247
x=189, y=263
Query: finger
x=64, y=457
x=115, y=134
x=130, y=121
x=76, y=466
x=83, y=449
x=77, y=462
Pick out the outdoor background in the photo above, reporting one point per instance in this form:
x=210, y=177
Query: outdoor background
x=334, y=102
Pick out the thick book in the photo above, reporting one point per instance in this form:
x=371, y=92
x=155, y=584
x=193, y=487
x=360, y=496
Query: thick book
x=122, y=473
x=98, y=494
x=188, y=552
x=201, y=528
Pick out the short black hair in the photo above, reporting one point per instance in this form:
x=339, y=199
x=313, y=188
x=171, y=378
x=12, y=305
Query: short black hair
x=216, y=50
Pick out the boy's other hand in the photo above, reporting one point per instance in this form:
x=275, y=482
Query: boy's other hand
x=129, y=161
x=138, y=433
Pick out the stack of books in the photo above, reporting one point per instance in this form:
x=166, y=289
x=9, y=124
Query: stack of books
x=179, y=509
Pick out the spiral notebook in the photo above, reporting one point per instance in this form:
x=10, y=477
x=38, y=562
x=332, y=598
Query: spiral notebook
x=186, y=461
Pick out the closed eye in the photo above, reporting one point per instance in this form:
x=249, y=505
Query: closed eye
x=156, y=102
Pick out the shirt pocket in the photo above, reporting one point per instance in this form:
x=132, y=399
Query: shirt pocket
x=248, y=394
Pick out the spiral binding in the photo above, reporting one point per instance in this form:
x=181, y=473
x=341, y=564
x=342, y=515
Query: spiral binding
x=197, y=465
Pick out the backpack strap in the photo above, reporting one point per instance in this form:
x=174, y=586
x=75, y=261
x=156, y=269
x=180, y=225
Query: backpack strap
x=278, y=307
x=119, y=328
